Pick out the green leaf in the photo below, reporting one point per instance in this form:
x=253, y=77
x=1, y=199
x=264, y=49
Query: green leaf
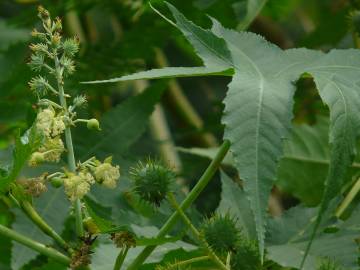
x=289, y=235
x=121, y=126
x=24, y=147
x=170, y=72
x=53, y=207
x=234, y=201
x=307, y=153
x=100, y=215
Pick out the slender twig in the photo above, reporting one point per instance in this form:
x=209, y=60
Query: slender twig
x=121, y=258
x=41, y=248
x=348, y=199
x=190, y=198
x=43, y=226
x=210, y=252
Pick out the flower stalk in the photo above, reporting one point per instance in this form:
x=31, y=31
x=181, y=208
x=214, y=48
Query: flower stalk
x=43, y=226
x=39, y=247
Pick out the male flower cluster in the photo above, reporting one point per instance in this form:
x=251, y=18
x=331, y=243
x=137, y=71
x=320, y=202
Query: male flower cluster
x=50, y=126
x=106, y=174
x=77, y=185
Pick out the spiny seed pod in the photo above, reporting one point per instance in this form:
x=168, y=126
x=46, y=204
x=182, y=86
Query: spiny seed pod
x=93, y=124
x=246, y=256
x=152, y=181
x=221, y=233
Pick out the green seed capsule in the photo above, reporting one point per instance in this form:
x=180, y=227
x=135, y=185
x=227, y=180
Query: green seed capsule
x=152, y=181
x=93, y=124
x=221, y=233
x=56, y=182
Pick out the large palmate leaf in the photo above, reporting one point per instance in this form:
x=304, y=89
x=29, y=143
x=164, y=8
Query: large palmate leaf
x=307, y=152
x=53, y=208
x=289, y=235
x=258, y=105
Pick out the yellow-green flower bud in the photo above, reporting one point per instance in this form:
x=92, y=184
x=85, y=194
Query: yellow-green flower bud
x=44, y=121
x=57, y=24
x=53, y=148
x=58, y=126
x=90, y=226
x=36, y=159
x=76, y=187
x=107, y=175
x=55, y=40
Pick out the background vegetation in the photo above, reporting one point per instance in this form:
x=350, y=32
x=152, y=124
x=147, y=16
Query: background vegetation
x=125, y=36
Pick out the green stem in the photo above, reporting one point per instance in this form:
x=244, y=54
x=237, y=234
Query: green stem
x=212, y=255
x=38, y=221
x=178, y=265
x=121, y=258
x=69, y=146
x=348, y=199
x=41, y=248
x=190, y=198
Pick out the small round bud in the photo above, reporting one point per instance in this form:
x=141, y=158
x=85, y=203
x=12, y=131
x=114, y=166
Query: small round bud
x=90, y=226
x=43, y=13
x=56, y=182
x=55, y=40
x=221, y=233
x=93, y=124
x=57, y=24
x=152, y=181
